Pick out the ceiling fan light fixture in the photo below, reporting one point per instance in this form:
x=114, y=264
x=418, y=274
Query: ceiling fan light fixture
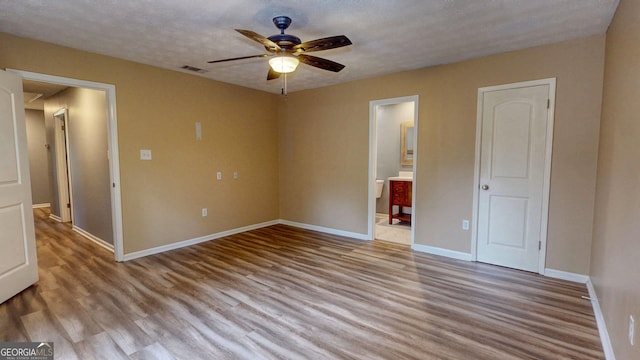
x=284, y=64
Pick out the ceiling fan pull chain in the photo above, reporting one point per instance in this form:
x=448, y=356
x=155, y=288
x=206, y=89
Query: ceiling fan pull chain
x=284, y=85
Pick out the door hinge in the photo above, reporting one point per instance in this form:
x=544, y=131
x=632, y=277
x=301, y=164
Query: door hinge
x=62, y=127
x=68, y=206
x=548, y=103
x=539, y=245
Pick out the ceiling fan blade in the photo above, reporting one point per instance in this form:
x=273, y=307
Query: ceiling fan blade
x=239, y=58
x=320, y=63
x=272, y=74
x=270, y=45
x=323, y=44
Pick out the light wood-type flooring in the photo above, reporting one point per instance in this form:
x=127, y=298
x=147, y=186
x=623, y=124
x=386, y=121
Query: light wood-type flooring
x=285, y=293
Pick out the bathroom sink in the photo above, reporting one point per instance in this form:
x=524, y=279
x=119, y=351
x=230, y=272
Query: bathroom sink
x=403, y=176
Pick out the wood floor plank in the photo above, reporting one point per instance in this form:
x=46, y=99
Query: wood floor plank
x=76, y=321
x=11, y=328
x=41, y=326
x=286, y=293
x=99, y=347
x=116, y=323
x=154, y=351
x=179, y=338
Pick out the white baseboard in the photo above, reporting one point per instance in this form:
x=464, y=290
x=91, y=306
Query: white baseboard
x=442, y=252
x=326, y=230
x=602, y=327
x=564, y=275
x=43, y=205
x=93, y=238
x=55, y=218
x=184, y=243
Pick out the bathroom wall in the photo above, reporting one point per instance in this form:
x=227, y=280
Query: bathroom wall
x=388, y=120
x=38, y=163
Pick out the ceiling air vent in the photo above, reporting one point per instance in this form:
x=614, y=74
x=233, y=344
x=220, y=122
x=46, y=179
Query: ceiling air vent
x=194, y=69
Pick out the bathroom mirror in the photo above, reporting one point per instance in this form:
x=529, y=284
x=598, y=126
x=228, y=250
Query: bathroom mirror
x=406, y=143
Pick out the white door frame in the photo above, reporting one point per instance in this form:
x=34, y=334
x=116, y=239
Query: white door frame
x=112, y=138
x=544, y=220
x=373, y=158
x=62, y=166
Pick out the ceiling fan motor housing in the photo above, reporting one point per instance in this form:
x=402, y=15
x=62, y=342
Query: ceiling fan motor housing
x=285, y=41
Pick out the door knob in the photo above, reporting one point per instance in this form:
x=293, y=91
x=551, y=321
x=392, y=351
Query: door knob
x=485, y=187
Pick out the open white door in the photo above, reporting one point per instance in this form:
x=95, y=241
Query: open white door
x=18, y=263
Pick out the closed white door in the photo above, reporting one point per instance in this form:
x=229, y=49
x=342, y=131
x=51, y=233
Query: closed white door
x=512, y=173
x=18, y=264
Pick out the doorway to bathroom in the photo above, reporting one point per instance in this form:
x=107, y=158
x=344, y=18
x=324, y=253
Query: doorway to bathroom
x=393, y=125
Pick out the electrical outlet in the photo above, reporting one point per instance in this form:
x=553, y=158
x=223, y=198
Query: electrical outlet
x=235, y=175
x=219, y=175
x=632, y=328
x=465, y=224
x=204, y=212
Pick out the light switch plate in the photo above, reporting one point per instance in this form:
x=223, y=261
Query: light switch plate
x=219, y=175
x=235, y=175
x=198, y=131
x=145, y=154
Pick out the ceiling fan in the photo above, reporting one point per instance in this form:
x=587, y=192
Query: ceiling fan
x=286, y=50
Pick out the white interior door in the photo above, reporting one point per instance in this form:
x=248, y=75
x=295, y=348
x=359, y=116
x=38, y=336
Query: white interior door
x=512, y=176
x=18, y=264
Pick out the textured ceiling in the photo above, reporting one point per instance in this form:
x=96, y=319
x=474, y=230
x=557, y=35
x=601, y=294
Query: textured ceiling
x=388, y=36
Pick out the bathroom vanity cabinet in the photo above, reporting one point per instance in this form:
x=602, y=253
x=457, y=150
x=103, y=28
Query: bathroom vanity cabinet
x=400, y=196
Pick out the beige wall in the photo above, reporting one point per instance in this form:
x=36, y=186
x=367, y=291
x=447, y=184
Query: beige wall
x=86, y=126
x=38, y=161
x=321, y=178
x=157, y=109
x=615, y=269
x=324, y=157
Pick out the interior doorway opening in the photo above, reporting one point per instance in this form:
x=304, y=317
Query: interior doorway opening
x=393, y=129
x=110, y=177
